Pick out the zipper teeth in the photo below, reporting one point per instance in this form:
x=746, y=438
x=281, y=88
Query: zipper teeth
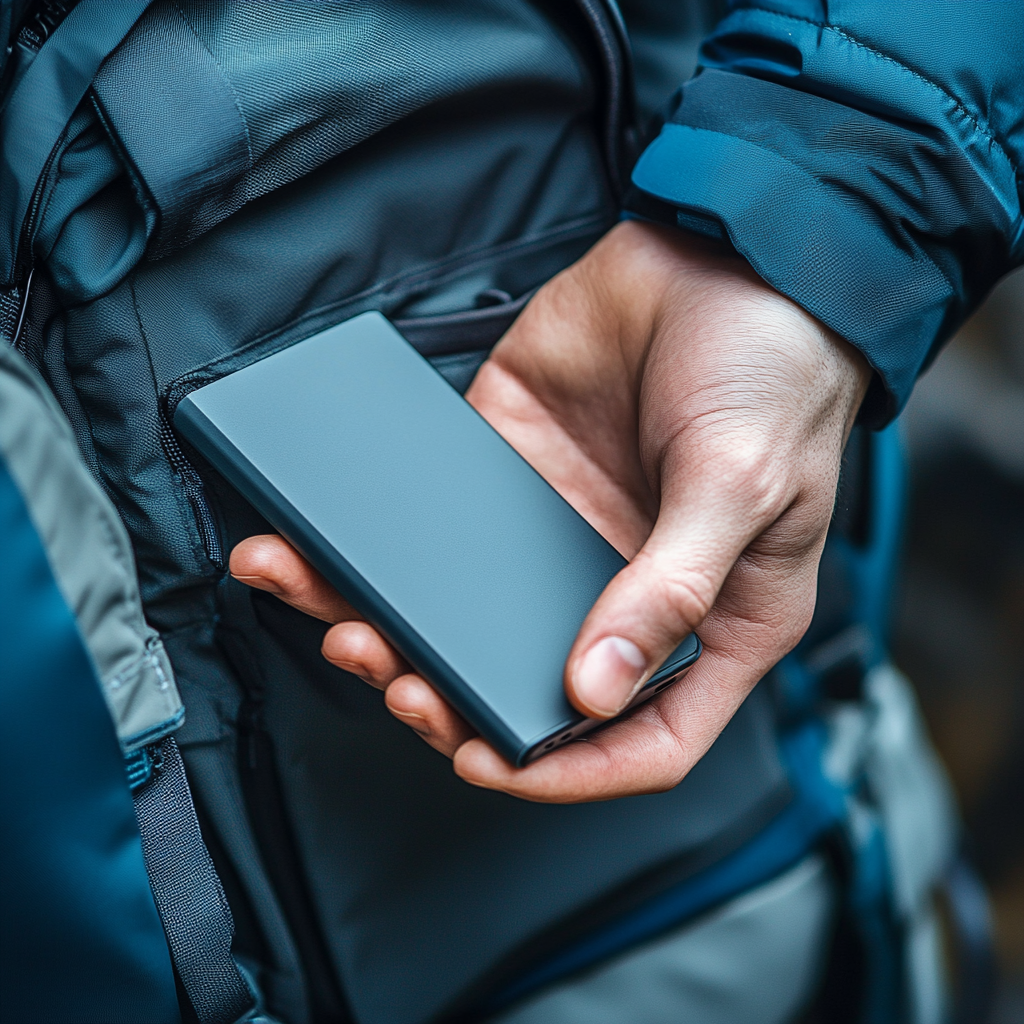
x=23, y=250
x=43, y=21
x=185, y=385
x=17, y=338
x=36, y=201
x=196, y=494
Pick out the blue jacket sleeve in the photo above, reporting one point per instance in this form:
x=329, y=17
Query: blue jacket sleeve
x=864, y=156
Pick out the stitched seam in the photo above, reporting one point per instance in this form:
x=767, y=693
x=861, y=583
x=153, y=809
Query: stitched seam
x=225, y=79
x=146, y=660
x=818, y=186
x=187, y=513
x=982, y=126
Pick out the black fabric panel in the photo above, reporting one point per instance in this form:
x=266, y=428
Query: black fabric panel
x=219, y=104
x=417, y=875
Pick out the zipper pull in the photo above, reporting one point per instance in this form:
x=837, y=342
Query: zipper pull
x=13, y=310
x=22, y=312
x=141, y=765
x=42, y=21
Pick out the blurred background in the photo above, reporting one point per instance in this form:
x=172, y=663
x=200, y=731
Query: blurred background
x=959, y=613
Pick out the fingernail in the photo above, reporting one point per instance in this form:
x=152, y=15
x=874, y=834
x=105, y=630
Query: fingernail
x=260, y=582
x=609, y=675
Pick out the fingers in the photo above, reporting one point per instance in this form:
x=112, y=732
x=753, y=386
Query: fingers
x=640, y=754
x=358, y=648
x=413, y=701
x=270, y=563
x=664, y=594
x=649, y=750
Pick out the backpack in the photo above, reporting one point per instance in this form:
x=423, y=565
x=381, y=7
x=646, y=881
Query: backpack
x=106, y=870
x=152, y=173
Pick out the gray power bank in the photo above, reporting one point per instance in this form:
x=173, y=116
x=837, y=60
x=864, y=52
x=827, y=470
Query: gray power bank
x=424, y=518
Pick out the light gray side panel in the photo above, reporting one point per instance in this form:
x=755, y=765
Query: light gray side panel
x=90, y=555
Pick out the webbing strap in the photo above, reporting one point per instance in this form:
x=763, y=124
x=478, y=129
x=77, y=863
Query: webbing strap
x=42, y=103
x=188, y=894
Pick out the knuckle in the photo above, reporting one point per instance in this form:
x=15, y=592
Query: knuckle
x=756, y=481
x=690, y=594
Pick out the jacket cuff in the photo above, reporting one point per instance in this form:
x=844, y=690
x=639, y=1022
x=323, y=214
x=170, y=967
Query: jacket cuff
x=810, y=243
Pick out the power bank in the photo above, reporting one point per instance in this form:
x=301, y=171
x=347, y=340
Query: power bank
x=424, y=518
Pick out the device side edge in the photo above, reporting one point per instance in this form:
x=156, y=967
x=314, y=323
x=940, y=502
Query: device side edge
x=210, y=441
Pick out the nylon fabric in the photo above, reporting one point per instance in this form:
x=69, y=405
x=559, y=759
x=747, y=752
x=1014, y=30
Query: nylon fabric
x=35, y=115
x=755, y=960
x=783, y=841
x=90, y=556
x=285, y=89
x=164, y=75
x=189, y=897
x=80, y=937
x=903, y=192
x=91, y=231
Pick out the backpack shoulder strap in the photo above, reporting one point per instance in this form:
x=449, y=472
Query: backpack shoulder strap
x=89, y=560
x=41, y=104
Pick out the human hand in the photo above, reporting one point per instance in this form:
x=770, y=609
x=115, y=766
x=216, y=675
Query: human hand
x=696, y=418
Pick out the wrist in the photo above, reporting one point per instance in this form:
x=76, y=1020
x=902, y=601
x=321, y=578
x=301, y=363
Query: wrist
x=672, y=272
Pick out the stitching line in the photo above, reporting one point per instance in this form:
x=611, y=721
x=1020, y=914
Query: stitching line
x=227, y=82
x=982, y=126
x=817, y=186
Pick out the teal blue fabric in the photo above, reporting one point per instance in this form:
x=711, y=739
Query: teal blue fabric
x=80, y=940
x=33, y=116
x=864, y=157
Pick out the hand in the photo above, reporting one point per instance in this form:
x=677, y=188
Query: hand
x=696, y=418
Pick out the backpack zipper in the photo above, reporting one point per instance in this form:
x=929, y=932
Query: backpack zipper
x=38, y=23
x=195, y=491
x=22, y=313
x=41, y=21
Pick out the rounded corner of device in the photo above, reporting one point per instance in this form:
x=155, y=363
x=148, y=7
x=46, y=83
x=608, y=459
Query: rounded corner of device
x=683, y=657
x=181, y=412
x=525, y=756
x=698, y=650
x=555, y=738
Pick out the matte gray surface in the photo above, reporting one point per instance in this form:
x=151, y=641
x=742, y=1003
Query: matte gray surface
x=755, y=960
x=356, y=449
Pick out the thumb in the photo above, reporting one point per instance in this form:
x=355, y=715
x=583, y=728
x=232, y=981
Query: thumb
x=663, y=595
